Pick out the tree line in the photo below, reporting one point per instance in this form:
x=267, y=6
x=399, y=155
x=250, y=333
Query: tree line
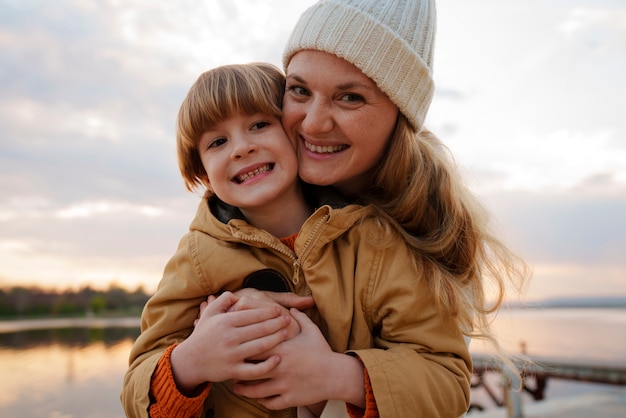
x=21, y=301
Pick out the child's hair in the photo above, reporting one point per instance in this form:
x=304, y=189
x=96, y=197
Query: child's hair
x=216, y=95
x=417, y=184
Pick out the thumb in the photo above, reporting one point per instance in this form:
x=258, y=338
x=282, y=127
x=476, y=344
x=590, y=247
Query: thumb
x=302, y=319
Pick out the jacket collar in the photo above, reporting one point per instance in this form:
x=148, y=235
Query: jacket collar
x=317, y=196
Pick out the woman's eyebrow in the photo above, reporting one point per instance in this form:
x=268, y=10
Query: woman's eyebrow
x=296, y=77
x=353, y=84
x=343, y=86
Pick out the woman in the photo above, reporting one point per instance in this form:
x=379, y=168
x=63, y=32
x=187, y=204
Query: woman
x=359, y=84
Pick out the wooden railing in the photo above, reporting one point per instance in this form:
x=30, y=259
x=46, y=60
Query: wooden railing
x=535, y=373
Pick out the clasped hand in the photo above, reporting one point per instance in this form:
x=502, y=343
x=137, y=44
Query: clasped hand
x=274, y=354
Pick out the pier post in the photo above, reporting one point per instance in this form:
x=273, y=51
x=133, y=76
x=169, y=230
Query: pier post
x=513, y=400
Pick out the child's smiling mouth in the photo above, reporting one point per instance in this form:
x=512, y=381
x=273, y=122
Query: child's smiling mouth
x=241, y=178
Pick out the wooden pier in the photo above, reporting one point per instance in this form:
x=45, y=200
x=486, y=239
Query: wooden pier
x=535, y=373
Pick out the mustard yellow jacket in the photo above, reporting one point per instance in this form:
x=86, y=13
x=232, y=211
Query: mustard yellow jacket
x=370, y=298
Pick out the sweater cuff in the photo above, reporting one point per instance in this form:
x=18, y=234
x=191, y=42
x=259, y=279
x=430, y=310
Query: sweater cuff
x=167, y=401
x=371, y=409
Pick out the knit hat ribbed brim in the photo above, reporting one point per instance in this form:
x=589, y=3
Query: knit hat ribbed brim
x=390, y=41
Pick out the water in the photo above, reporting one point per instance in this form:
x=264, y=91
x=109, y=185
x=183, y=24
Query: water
x=77, y=372
x=594, y=336
x=64, y=372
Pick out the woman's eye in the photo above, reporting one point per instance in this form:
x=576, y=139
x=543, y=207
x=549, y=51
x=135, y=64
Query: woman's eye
x=352, y=97
x=298, y=90
x=217, y=142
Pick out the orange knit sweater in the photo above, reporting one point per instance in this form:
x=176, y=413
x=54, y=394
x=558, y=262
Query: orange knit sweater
x=168, y=401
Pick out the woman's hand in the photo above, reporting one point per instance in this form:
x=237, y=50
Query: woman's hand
x=309, y=372
x=223, y=340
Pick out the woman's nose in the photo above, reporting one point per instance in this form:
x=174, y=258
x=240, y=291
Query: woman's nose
x=318, y=118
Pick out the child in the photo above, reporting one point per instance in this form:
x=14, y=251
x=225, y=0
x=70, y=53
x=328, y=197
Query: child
x=230, y=140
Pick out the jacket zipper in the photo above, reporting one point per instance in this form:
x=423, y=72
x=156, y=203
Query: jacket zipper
x=307, y=243
x=295, y=260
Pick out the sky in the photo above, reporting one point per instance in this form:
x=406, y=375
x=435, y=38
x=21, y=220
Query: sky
x=531, y=100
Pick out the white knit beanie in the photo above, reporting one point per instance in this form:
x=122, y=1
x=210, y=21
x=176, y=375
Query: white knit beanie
x=391, y=41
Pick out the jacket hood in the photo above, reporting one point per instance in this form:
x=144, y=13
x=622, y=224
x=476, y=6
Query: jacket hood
x=316, y=196
x=226, y=223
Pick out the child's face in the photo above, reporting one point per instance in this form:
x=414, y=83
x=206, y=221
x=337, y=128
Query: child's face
x=249, y=160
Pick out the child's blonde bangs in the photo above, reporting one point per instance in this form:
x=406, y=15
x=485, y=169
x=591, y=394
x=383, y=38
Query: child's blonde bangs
x=230, y=90
x=217, y=95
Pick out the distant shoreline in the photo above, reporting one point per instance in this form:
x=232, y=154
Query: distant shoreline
x=16, y=325
x=535, y=305
x=572, y=302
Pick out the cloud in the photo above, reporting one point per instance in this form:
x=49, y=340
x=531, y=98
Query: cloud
x=573, y=239
x=542, y=107
x=92, y=241
x=88, y=98
x=557, y=161
x=530, y=100
x=566, y=227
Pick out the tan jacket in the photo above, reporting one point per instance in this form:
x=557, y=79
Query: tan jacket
x=370, y=299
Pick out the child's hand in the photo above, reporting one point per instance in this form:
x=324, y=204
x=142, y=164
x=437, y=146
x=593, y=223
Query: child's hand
x=258, y=299
x=252, y=298
x=286, y=299
x=223, y=339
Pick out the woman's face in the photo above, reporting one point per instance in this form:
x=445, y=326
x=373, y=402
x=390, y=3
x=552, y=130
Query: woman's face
x=339, y=118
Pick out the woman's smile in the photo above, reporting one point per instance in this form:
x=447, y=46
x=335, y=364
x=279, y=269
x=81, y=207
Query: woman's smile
x=324, y=149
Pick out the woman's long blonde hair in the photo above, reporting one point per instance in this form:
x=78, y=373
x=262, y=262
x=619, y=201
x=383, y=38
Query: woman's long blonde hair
x=417, y=184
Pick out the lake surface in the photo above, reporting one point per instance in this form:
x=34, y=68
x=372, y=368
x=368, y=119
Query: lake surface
x=583, y=334
x=64, y=372
x=75, y=369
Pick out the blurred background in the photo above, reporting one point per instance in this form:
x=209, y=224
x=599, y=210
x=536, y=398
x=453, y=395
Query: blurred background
x=531, y=99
